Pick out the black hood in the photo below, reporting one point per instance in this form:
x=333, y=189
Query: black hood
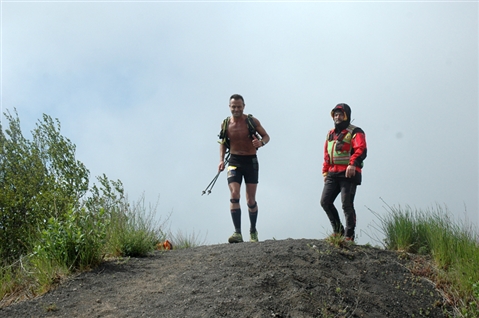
x=347, y=116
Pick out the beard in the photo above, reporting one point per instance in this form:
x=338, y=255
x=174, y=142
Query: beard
x=237, y=114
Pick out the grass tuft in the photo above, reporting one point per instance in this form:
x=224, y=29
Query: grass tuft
x=182, y=240
x=134, y=231
x=452, y=245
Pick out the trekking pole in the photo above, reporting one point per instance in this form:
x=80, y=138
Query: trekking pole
x=212, y=183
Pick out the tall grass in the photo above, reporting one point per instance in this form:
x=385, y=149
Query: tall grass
x=183, y=239
x=134, y=230
x=452, y=245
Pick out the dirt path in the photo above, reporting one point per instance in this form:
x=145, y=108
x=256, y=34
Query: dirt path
x=276, y=278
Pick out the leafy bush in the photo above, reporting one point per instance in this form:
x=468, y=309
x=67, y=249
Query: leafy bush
x=51, y=222
x=76, y=242
x=39, y=179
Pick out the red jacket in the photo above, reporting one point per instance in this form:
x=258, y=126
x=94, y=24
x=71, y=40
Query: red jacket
x=358, y=152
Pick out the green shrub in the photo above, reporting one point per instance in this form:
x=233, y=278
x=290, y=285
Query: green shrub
x=39, y=178
x=76, y=242
x=51, y=222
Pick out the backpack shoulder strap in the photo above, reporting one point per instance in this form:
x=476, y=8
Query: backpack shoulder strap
x=251, y=125
x=223, y=135
x=224, y=127
x=329, y=136
x=351, y=128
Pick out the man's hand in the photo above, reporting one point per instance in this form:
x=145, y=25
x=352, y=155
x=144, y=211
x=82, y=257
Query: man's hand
x=221, y=166
x=256, y=142
x=350, y=171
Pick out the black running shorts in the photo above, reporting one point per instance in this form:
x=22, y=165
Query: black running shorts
x=243, y=166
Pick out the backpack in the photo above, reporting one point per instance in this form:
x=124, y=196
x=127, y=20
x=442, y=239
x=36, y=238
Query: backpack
x=223, y=135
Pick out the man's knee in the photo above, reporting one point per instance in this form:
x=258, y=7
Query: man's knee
x=235, y=195
x=250, y=199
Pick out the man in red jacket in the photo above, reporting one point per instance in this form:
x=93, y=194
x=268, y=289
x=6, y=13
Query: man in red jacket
x=344, y=152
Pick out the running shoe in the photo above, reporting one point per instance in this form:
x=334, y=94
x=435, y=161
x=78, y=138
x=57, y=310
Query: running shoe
x=253, y=237
x=236, y=238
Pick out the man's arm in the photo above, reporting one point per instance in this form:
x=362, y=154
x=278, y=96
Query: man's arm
x=262, y=132
x=221, y=166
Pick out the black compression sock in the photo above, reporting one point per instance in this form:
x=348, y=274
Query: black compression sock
x=252, y=218
x=236, y=216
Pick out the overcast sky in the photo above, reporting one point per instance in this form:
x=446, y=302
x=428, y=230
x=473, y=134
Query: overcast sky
x=141, y=89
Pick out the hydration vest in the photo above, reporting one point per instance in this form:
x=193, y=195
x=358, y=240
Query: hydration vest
x=339, y=149
x=223, y=135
